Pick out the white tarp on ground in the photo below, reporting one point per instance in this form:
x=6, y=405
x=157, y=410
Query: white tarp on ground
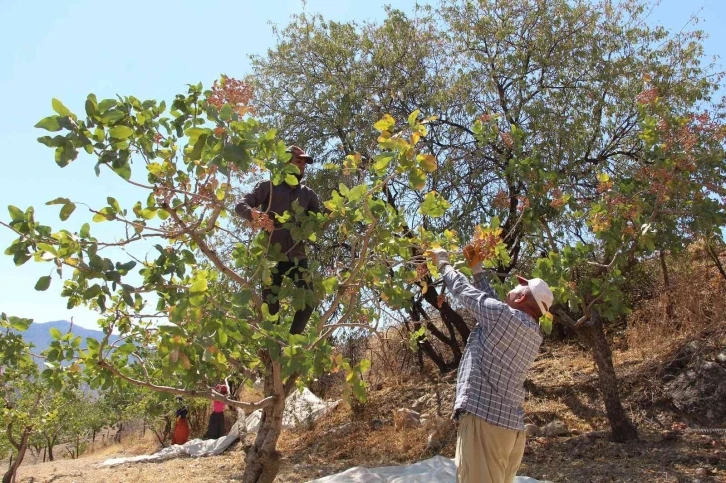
x=434, y=470
x=194, y=448
x=300, y=407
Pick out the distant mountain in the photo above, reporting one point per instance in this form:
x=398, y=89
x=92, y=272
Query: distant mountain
x=39, y=333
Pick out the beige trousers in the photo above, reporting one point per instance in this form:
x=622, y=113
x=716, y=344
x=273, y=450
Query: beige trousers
x=486, y=453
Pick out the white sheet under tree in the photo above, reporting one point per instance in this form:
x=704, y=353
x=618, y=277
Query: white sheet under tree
x=433, y=470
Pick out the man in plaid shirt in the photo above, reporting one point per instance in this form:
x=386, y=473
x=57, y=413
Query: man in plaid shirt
x=498, y=354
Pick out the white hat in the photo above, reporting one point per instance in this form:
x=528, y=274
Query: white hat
x=540, y=291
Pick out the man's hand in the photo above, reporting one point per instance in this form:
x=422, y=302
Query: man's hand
x=438, y=256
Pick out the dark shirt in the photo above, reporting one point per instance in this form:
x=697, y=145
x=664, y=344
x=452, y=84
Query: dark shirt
x=182, y=412
x=276, y=200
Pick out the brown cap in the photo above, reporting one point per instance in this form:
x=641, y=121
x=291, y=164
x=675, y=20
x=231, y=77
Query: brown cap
x=298, y=152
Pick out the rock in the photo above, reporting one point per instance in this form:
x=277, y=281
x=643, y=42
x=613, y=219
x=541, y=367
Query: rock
x=555, y=428
x=532, y=430
x=699, y=392
x=444, y=431
x=701, y=472
x=436, y=440
x=340, y=430
x=376, y=423
x=722, y=356
x=406, y=418
x=419, y=404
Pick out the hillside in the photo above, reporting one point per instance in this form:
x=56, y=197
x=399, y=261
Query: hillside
x=39, y=333
x=562, y=387
x=672, y=379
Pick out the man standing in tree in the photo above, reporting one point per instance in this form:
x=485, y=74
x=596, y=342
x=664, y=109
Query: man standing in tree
x=264, y=203
x=498, y=354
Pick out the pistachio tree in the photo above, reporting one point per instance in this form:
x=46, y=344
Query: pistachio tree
x=538, y=108
x=187, y=315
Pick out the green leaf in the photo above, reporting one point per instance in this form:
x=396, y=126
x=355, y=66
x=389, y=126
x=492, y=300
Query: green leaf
x=417, y=179
x=381, y=162
x=197, y=292
x=19, y=324
x=66, y=211
x=126, y=349
x=120, y=132
x=92, y=292
x=412, y=117
x=42, y=284
x=111, y=116
x=222, y=337
x=113, y=203
x=124, y=170
x=545, y=324
x=291, y=180
x=357, y=192
x=55, y=333
x=434, y=205
x=49, y=123
x=107, y=104
x=60, y=108
x=85, y=230
x=16, y=214
x=235, y=154
x=385, y=124
x=59, y=201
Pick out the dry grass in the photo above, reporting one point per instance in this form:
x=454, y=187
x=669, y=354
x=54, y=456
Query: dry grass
x=562, y=384
x=697, y=300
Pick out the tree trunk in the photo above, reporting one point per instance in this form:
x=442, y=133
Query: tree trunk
x=49, y=445
x=449, y=341
x=715, y=258
x=22, y=447
x=594, y=335
x=263, y=460
x=448, y=314
x=424, y=346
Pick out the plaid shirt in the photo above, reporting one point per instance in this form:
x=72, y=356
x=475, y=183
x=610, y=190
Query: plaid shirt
x=498, y=354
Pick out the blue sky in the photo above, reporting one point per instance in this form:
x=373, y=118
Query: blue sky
x=151, y=49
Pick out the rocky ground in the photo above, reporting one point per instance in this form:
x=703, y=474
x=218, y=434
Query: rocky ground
x=408, y=420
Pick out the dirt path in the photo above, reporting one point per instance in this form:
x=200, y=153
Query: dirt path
x=215, y=469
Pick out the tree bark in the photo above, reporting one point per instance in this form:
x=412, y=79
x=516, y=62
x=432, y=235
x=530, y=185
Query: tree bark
x=50, y=445
x=448, y=314
x=424, y=346
x=449, y=341
x=9, y=476
x=714, y=257
x=622, y=429
x=263, y=460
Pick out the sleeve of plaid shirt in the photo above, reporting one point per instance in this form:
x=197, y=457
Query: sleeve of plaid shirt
x=479, y=298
